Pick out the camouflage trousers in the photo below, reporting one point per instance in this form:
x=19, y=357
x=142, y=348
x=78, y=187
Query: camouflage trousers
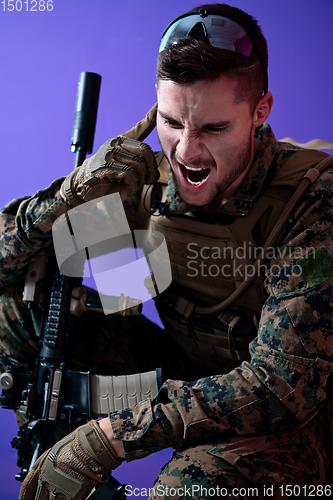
x=288, y=468
x=118, y=345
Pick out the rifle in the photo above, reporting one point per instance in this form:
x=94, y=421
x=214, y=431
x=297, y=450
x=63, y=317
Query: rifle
x=54, y=398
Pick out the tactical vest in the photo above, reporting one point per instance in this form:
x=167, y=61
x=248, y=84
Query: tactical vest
x=211, y=260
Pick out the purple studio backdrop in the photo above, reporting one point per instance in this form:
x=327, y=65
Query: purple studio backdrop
x=44, y=47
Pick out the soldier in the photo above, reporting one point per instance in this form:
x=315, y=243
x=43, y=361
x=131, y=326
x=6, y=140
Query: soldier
x=247, y=422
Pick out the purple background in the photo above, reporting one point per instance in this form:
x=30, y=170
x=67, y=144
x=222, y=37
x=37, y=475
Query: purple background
x=41, y=56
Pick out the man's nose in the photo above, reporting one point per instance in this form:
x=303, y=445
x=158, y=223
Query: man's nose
x=189, y=145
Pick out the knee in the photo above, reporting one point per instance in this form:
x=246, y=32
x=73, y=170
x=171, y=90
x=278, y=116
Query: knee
x=192, y=474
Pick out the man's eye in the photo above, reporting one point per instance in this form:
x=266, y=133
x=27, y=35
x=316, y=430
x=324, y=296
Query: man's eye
x=215, y=130
x=172, y=124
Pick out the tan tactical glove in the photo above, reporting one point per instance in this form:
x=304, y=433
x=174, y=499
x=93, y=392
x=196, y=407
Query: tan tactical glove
x=76, y=464
x=122, y=163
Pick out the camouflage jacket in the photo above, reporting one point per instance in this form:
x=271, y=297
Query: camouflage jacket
x=283, y=387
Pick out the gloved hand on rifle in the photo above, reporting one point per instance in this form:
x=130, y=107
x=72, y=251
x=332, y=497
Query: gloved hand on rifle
x=122, y=163
x=73, y=467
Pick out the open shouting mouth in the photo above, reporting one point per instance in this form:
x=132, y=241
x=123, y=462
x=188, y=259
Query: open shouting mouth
x=194, y=175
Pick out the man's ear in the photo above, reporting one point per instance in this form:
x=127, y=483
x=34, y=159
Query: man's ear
x=263, y=109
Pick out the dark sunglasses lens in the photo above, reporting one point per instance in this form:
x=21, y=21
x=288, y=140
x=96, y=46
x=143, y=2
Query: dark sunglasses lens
x=220, y=31
x=244, y=46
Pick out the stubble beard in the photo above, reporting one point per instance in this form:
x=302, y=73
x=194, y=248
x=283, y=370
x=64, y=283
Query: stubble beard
x=239, y=164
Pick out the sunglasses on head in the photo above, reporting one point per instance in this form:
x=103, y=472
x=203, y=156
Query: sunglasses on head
x=217, y=30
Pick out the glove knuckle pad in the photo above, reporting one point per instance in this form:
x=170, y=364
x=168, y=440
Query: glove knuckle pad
x=121, y=163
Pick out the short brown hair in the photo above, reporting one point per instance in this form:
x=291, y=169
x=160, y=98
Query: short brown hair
x=191, y=60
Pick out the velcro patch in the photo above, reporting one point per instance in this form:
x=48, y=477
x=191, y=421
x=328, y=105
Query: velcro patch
x=317, y=267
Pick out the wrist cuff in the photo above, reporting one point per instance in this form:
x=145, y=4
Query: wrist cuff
x=67, y=192
x=101, y=449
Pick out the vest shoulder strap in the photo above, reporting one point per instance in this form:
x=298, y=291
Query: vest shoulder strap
x=267, y=209
x=163, y=168
x=296, y=166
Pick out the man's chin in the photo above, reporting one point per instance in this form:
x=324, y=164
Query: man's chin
x=198, y=199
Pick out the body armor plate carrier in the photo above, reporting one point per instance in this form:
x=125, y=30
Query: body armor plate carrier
x=210, y=260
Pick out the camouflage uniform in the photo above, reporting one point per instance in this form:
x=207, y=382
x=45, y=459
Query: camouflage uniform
x=261, y=424
x=109, y=349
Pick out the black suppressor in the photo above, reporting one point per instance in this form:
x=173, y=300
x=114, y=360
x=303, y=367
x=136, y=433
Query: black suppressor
x=85, y=115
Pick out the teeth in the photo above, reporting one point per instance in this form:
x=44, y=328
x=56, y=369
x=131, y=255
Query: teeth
x=194, y=183
x=197, y=170
x=193, y=169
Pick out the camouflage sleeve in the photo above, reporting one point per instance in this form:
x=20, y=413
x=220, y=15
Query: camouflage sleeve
x=26, y=228
x=284, y=384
